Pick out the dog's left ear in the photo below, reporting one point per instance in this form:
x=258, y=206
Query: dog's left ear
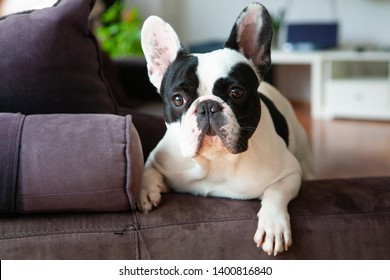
x=251, y=35
x=160, y=45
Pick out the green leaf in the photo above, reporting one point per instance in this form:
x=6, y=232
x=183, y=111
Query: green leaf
x=120, y=31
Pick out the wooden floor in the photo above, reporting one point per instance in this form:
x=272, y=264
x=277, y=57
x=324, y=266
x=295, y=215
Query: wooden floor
x=347, y=148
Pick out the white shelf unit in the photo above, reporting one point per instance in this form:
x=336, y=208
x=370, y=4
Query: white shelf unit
x=357, y=85
x=346, y=84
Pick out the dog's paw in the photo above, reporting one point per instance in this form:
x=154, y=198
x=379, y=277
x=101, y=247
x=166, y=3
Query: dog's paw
x=273, y=233
x=150, y=194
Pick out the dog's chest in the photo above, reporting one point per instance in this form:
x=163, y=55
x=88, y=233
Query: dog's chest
x=218, y=178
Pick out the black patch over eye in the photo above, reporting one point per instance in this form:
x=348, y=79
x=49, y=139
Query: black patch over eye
x=178, y=100
x=236, y=92
x=179, y=79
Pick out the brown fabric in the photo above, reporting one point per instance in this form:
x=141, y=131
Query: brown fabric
x=10, y=130
x=151, y=129
x=65, y=162
x=331, y=219
x=69, y=236
x=50, y=62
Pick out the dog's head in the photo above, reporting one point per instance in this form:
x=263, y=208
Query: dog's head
x=210, y=100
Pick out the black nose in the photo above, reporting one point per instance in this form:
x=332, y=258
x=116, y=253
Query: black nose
x=208, y=106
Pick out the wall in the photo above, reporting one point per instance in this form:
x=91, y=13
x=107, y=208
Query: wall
x=361, y=21
x=12, y=6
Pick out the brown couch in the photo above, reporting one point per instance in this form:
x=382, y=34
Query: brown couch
x=331, y=219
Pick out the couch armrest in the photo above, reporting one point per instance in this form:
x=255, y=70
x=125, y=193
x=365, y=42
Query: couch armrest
x=68, y=162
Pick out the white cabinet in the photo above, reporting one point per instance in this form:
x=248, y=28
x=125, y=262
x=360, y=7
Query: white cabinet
x=346, y=84
x=356, y=86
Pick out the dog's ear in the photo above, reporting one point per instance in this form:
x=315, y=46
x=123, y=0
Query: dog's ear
x=160, y=45
x=251, y=35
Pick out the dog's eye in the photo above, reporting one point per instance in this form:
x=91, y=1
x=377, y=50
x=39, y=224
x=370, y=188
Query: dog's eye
x=236, y=92
x=178, y=100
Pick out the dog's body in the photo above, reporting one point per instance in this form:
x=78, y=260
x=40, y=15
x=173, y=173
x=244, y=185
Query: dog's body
x=226, y=135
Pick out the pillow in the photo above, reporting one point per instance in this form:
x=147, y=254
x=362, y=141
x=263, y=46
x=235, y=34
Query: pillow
x=68, y=162
x=50, y=62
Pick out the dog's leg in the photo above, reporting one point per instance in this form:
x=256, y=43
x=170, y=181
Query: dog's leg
x=273, y=232
x=151, y=188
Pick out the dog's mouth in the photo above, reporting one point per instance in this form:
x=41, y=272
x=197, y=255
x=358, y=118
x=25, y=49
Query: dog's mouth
x=216, y=138
x=211, y=129
x=210, y=132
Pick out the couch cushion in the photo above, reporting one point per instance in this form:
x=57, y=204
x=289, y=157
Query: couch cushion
x=68, y=236
x=330, y=219
x=50, y=62
x=10, y=130
x=70, y=162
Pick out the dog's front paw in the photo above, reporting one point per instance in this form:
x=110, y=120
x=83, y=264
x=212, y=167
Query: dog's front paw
x=150, y=193
x=150, y=197
x=273, y=231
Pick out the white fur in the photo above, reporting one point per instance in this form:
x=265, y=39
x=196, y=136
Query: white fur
x=215, y=65
x=268, y=170
x=160, y=44
x=229, y=175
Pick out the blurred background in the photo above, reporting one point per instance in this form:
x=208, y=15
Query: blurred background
x=362, y=23
x=196, y=21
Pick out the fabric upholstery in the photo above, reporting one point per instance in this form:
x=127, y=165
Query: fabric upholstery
x=330, y=219
x=10, y=130
x=72, y=162
x=151, y=129
x=50, y=62
x=69, y=236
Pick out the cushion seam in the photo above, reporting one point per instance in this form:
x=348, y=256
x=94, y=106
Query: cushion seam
x=247, y=218
x=70, y=193
x=200, y=221
x=343, y=214
x=29, y=234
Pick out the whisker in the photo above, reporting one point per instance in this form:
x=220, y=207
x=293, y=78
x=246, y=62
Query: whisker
x=248, y=128
x=242, y=117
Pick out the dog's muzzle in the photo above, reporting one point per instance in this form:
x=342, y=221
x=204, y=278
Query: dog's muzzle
x=210, y=117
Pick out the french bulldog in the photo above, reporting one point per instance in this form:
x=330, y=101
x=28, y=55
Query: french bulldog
x=228, y=133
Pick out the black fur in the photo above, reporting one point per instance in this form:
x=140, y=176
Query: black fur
x=278, y=119
x=247, y=108
x=258, y=48
x=180, y=78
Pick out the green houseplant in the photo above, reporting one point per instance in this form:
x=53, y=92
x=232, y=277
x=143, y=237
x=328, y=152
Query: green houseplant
x=120, y=31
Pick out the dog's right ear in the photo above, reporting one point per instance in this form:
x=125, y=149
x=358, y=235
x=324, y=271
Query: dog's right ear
x=160, y=45
x=251, y=35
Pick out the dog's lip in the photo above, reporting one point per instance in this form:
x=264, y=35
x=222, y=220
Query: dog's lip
x=201, y=138
x=208, y=140
x=210, y=131
x=209, y=136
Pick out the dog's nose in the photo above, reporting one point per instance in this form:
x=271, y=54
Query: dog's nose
x=208, y=106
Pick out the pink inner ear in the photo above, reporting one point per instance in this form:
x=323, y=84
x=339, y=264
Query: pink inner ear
x=248, y=45
x=251, y=17
x=160, y=48
x=248, y=32
x=165, y=50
